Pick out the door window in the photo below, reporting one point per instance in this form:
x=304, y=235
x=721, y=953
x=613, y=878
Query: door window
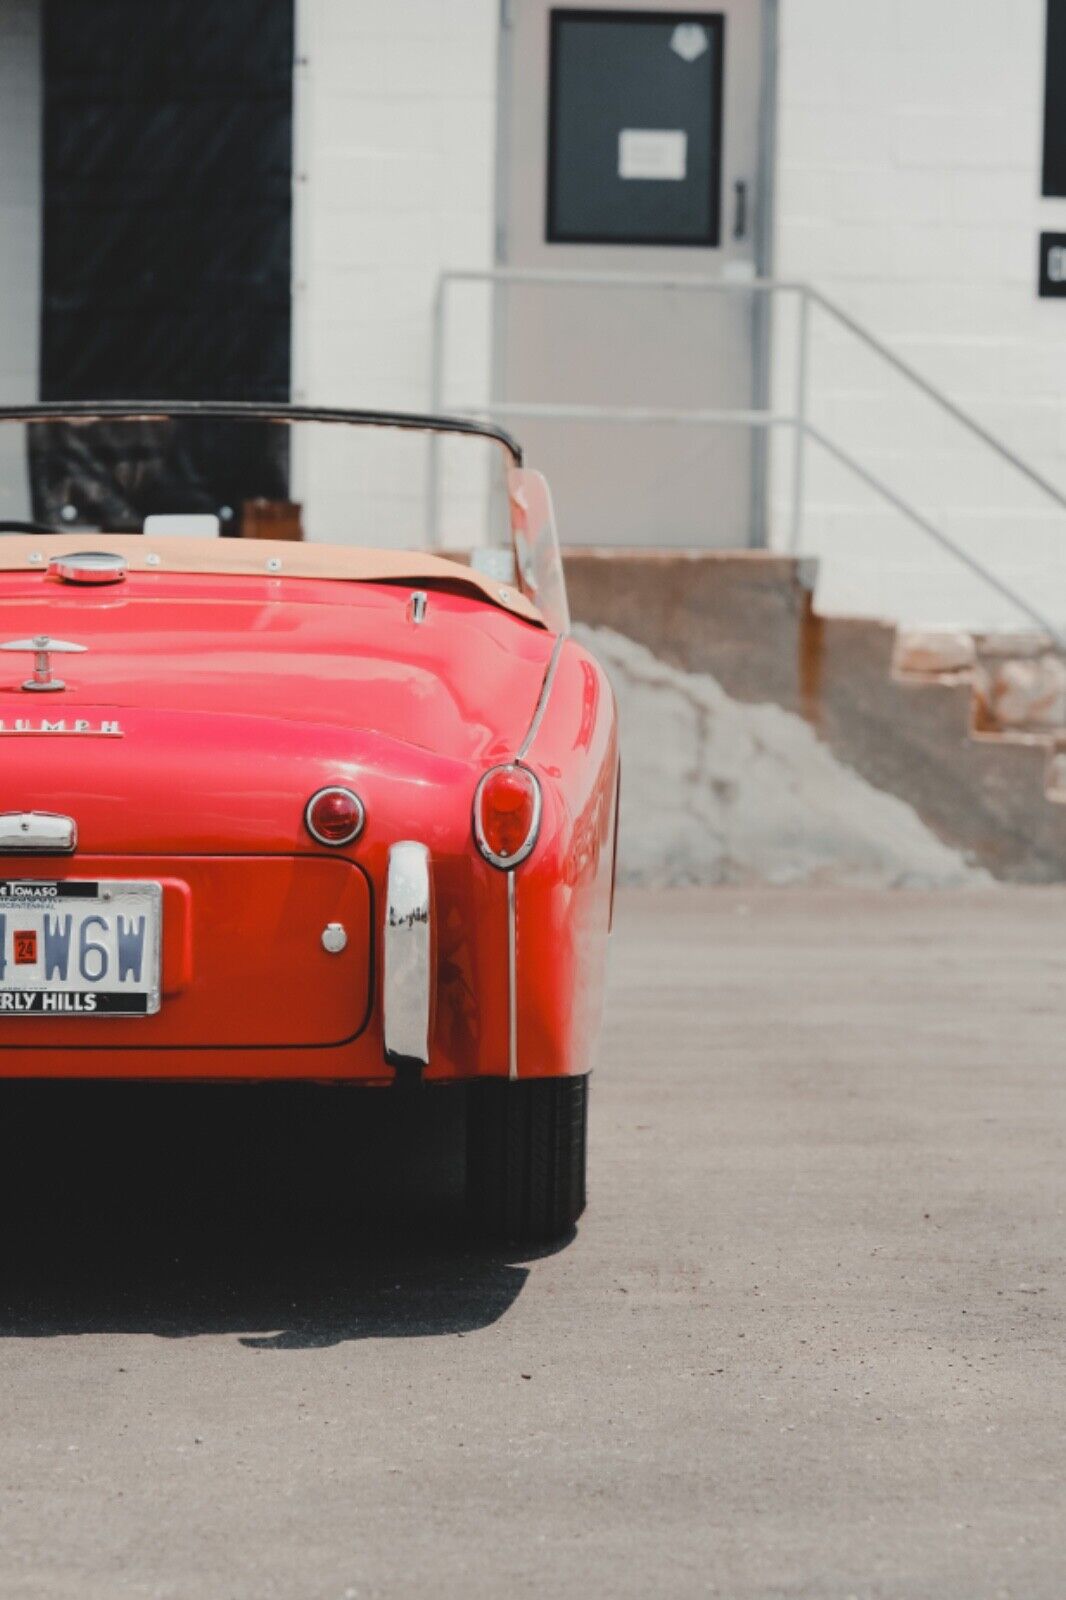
x=635, y=127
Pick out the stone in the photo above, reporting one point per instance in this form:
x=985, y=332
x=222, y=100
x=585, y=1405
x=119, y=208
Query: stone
x=1028, y=694
x=934, y=652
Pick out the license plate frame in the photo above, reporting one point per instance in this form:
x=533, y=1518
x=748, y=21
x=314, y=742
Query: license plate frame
x=106, y=899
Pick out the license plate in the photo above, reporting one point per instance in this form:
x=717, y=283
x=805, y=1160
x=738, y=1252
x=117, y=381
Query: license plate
x=88, y=949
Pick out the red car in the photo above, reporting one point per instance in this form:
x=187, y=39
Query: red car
x=307, y=810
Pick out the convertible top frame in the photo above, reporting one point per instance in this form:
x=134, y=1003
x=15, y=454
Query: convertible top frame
x=540, y=573
x=254, y=411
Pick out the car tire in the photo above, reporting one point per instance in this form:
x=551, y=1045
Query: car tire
x=525, y=1161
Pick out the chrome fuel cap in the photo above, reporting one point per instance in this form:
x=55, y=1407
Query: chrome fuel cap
x=90, y=566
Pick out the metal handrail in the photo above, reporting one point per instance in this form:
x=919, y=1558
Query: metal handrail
x=807, y=296
x=937, y=395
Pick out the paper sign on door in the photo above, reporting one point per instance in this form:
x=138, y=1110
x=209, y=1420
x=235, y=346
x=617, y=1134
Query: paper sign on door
x=653, y=153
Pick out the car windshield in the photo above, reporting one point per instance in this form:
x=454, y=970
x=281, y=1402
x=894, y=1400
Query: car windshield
x=355, y=481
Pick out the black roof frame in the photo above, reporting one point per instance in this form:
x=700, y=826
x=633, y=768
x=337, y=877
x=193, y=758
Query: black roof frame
x=254, y=411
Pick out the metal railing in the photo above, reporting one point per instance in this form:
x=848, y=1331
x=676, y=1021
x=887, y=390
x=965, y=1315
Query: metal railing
x=798, y=419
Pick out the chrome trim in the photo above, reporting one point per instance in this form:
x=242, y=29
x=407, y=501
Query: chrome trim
x=43, y=649
x=507, y=862
x=512, y=978
x=90, y=566
x=336, y=788
x=416, y=607
x=406, y=985
x=542, y=702
x=43, y=833
x=27, y=728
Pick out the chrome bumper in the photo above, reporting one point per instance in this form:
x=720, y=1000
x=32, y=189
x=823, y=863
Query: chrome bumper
x=407, y=979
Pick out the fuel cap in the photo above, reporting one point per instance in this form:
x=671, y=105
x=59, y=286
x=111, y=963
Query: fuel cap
x=90, y=566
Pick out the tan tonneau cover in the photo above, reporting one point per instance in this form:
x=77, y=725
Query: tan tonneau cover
x=263, y=558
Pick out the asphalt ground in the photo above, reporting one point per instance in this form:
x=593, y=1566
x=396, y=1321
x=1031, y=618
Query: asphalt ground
x=807, y=1340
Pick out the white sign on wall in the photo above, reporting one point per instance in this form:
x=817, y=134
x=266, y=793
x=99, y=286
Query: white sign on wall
x=653, y=153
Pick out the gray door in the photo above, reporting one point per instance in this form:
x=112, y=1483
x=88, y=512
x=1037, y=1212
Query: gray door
x=630, y=142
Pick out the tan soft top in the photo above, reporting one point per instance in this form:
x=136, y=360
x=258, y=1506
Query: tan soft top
x=263, y=558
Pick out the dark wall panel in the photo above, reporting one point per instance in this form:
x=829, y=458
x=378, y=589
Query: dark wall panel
x=167, y=199
x=167, y=250
x=1055, y=101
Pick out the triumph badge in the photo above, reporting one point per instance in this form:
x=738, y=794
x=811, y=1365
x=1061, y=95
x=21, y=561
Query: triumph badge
x=43, y=649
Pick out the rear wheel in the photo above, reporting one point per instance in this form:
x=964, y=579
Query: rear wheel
x=525, y=1161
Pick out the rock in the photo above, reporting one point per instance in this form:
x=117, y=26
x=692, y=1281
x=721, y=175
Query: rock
x=1003, y=645
x=1028, y=694
x=934, y=652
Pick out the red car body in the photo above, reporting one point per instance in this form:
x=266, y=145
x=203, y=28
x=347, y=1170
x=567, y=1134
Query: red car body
x=219, y=688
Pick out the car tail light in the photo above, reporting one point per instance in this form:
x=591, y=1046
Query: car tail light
x=335, y=816
x=507, y=806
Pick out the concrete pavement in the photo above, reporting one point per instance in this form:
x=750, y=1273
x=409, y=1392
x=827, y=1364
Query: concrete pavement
x=808, y=1340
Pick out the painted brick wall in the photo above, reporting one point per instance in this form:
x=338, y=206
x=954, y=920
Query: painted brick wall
x=20, y=235
x=909, y=146
x=394, y=162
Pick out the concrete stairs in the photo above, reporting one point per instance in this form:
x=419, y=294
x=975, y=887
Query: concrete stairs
x=968, y=730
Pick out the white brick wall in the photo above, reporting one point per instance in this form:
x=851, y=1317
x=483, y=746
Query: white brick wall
x=908, y=188
x=909, y=149
x=395, y=151
x=20, y=234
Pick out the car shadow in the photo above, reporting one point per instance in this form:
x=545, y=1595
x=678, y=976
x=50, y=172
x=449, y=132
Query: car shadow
x=293, y=1217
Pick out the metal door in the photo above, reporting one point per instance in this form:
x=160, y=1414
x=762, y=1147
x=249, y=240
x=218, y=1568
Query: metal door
x=631, y=140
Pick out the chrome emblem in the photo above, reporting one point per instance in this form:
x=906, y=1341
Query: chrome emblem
x=67, y=725
x=44, y=649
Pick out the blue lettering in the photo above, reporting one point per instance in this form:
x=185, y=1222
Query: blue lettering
x=56, y=947
x=130, y=948
x=3, y=946
x=92, y=948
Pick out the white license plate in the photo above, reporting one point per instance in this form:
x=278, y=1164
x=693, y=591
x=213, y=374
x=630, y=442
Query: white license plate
x=79, y=948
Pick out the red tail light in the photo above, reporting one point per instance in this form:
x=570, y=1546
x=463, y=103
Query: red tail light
x=507, y=807
x=334, y=816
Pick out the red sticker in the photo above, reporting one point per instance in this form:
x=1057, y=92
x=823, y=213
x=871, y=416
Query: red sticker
x=26, y=948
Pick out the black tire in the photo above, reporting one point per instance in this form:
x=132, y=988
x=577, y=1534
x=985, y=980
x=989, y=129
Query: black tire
x=525, y=1157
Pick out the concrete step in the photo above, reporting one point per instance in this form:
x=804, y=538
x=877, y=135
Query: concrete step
x=1019, y=683
x=963, y=728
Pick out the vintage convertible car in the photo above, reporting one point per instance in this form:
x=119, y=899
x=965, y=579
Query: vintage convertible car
x=302, y=810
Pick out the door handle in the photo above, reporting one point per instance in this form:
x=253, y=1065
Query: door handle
x=740, y=209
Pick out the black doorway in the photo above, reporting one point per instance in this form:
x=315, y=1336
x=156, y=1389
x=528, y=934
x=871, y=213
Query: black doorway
x=167, y=170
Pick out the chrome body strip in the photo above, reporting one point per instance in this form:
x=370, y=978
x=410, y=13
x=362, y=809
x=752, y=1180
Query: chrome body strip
x=407, y=977
x=512, y=978
x=42, y=833
x=542, y=702
x=512, y=894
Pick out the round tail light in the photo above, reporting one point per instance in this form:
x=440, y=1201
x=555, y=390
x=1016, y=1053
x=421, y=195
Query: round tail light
x=507, y=805
x=335, y=816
